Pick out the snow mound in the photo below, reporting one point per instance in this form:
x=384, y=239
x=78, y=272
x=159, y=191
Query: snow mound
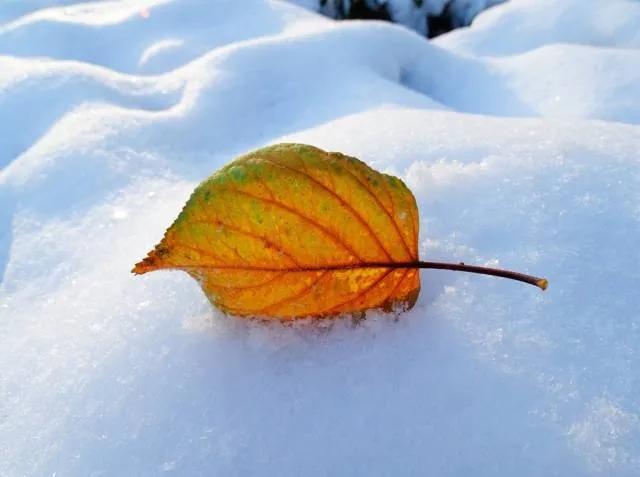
x=520, y=139
x=523, y=25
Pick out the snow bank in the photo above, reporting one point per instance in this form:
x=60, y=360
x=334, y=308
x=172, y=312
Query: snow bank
x=523, y=25
x=521, y=154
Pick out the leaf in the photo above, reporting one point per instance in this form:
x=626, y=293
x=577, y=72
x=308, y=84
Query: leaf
x=292, y=231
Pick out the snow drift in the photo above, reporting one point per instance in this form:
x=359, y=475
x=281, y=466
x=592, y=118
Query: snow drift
x=519, y=137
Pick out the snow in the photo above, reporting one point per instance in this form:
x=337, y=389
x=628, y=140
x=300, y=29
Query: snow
x=531, y=24
x=519, y=137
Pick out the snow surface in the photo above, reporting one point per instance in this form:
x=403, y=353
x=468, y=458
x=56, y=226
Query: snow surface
x=520, y=139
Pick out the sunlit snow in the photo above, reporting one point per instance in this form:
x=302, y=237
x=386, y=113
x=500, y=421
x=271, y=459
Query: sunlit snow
x=520, y=138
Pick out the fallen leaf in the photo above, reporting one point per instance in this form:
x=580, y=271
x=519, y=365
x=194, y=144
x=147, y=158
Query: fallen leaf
x=292, y=231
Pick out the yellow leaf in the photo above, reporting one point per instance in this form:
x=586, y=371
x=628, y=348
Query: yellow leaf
x=292, y=231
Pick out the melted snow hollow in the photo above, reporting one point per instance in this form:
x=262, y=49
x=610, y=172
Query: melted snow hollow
x=519, y=137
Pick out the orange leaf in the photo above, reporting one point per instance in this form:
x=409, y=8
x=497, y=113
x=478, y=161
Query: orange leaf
x=291, y=231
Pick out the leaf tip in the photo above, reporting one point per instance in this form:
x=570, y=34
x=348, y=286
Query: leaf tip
x=142, y=267
x=150, y=263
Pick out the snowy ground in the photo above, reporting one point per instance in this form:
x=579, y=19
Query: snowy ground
x=520, y=139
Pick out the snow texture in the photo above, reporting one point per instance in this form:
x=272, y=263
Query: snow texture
x=519, y=137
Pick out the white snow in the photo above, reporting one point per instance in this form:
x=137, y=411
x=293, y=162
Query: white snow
x=519, y=137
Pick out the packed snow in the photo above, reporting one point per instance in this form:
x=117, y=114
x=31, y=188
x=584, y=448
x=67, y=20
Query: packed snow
x=519, y=137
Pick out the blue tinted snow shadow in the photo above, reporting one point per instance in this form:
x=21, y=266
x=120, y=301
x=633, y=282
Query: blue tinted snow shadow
x=403, y=398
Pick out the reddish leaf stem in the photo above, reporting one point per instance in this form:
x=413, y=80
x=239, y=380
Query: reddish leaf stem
x=541, y=283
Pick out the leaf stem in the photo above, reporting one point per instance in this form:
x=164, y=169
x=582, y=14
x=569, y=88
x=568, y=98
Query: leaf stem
x=541, y=283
